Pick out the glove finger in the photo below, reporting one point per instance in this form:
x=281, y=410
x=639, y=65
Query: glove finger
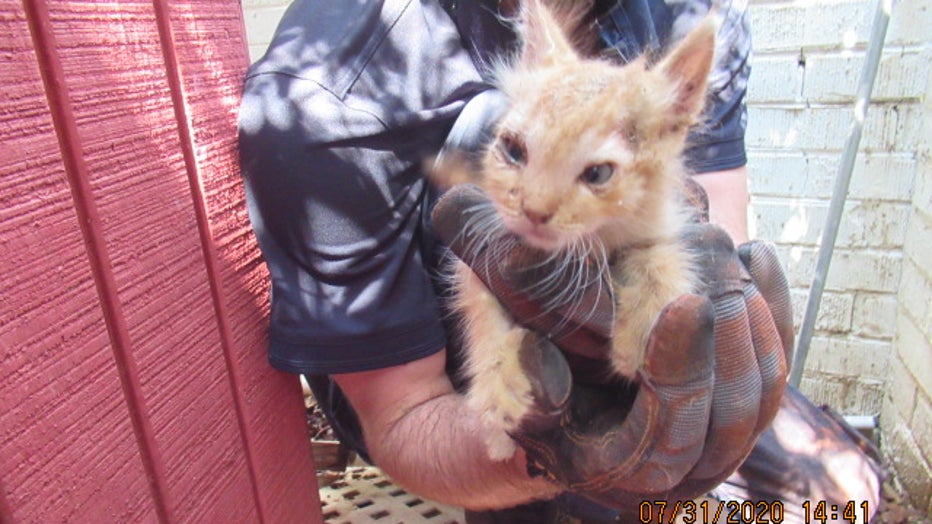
x=550, y=380
x=737, y=389
x=770, y=356
x=662, y=436
x=732, y=437
x=762, y=263
x=737, y=397
x=769, y=344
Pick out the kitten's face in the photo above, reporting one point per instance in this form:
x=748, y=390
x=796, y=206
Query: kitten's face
x=577, y=153
x=589, y=146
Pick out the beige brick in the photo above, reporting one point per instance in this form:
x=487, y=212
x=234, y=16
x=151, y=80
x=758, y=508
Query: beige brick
x=888, y=414
x=901, y=390
x=834, y=311
x=915, y=296
x=776, y=78
x=822, y=390
x=915, y=351
x=256, y=52
x=792, y=221
x=858, y=269
x=922, y=194
x=791, y=26
x=921, y=427
x=256, y=4
x=784, y=173
x=834, y=76
x=876, y=176
x=909, y=23
x=873, y=224
x=801, y=221
x=892, y=127
x=874, y=315
x=849, y=357
x=776, y=27
x=846, y=395
x=864, y=397
x=839, y=24
x=911, y=469
x=888, y=127
x=261, y=21
x=918, y=241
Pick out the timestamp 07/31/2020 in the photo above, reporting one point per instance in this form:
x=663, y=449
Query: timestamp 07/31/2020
x=708, y=511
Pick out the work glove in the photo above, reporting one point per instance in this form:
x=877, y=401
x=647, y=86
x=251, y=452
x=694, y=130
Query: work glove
x=714, y=372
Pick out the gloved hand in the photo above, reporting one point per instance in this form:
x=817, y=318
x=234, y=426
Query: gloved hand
x=704, y=394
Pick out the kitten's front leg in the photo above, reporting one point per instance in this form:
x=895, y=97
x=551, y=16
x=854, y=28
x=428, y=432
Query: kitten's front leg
x=646, y=280
x=499, y=392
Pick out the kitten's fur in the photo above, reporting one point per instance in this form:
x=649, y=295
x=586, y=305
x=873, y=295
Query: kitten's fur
x=587, y=155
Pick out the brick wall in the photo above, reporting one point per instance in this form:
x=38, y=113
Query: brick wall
x=906, y=415
x=872, y=350
x=806, y=69
x=871, y=353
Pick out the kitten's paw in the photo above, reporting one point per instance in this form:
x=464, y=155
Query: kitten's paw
x=496, y=422
x=499, y=413
x=627, y=354
x=500, y=392
x=500, y=445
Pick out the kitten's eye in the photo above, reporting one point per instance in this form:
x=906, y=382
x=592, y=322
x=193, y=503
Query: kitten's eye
x=513, y=150
x=598, y=174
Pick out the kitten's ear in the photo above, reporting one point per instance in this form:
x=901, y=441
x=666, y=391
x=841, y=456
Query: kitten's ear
x=688, y=66
x=544, y=41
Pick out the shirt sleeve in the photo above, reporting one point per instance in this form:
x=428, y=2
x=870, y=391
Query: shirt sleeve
x=335, y=123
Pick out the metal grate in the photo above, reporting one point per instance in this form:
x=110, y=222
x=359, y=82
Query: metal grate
x=364, y=495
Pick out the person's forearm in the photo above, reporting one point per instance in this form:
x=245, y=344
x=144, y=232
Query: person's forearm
x=419, y=431
x=436, y=450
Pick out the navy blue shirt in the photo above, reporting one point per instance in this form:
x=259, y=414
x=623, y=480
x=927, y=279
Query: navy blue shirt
x=335, y=122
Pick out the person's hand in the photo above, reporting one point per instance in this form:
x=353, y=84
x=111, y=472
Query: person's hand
x=714, y=372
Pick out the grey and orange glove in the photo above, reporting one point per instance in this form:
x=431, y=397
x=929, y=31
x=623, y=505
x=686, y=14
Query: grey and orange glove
x=714, y=373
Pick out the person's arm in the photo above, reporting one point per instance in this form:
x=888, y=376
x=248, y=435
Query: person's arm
x=420, y=432
x=728, y=200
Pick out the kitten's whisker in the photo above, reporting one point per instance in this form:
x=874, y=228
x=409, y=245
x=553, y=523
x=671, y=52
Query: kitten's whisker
x=575, y=291
x=602, y=276
x=553, y=280
x=563, y=278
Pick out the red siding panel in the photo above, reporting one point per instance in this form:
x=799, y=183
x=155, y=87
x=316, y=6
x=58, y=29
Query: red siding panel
x=205, y=35
x=67, y=447
x=132, y=328
x=126, y=125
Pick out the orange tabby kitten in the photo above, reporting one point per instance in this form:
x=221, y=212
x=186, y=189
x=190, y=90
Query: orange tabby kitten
x=586, y=161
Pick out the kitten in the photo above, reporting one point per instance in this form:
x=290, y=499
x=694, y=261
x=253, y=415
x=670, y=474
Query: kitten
x=585, y=161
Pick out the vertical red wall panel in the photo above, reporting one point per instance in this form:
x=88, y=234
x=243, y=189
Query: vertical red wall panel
x=206, y=35
x=134, y=333
x=113, y=60
x=67, y=448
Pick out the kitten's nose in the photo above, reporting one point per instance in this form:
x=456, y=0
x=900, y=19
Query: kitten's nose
x=537, y=217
